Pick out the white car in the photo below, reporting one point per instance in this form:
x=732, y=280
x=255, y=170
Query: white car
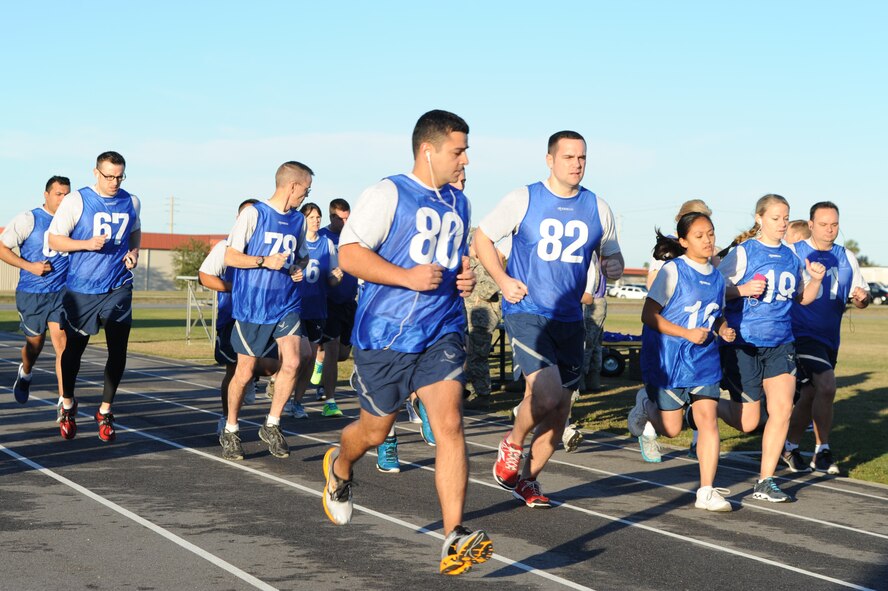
x=632, y=292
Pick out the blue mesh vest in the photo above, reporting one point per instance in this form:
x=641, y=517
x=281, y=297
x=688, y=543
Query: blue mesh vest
x=96, y=272
x=822, y=318
x=551, y=253
x=264, y=296
x=313, y=287
x=424, y=230
x=347, y=289
x=36, y=248
x=765, y=321
x=675, y=362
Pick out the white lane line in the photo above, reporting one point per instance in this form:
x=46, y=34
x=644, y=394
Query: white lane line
x=413, y=527
x=211, y=558
x=500, y=558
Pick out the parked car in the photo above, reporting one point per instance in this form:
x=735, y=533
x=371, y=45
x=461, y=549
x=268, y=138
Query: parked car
x=879, y=293
x=632, y=292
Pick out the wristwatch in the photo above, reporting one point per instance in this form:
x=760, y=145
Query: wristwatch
x=260, y=261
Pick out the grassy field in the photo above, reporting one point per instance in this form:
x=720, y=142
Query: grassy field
x=861, y=408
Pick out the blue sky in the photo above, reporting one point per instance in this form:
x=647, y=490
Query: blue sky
x=676, y=100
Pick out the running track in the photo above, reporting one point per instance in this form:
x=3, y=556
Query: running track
x=159, y=509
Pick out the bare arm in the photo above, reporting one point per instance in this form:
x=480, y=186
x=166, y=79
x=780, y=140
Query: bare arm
x=587, y=299
x=365, y=264
x=238, y=260
x=613, y=265
x=651, y=317
x=513, y=290
x=10, y=258
x=213, y=282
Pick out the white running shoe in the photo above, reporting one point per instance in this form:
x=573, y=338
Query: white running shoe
x=337, y=493
x=571, y=438
x=638, y=415
x=712, y=499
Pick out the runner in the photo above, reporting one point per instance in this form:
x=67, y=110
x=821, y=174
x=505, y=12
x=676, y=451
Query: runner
x=557, y=227
x=406, y=240
x=99, y=226
x=267, y=250
x=38, y=295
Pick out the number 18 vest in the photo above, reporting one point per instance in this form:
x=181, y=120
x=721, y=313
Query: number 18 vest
x=36, y=248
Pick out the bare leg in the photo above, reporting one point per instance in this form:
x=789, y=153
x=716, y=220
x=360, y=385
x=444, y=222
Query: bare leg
x=779, y=391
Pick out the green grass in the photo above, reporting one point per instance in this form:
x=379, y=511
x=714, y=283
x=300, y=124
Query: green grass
x=861, y=407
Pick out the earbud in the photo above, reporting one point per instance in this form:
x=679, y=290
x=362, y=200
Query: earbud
x=429, y=156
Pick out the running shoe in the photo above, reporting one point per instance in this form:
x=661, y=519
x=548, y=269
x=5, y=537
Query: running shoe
x=531, y=494
x=823, y=462
x=231, y=445
x=250, y=392
x=387, y=455
x=316, y=374
x=331, y=409
x=220, y=426
x=337, y=492
x=412, y=415
x=513, y=414
x=272, y=436
x=767, y=490
x=320, y=394
x=295, y=409
x=269, y=389
x=712, y=499
x=426, y=429
x=67, y=421
x=464, y=549
x=692, y=451
x=650, y=449
x=508, y=459
x=106, y=426
x=21, y=387
x=571, y=438
x=638, y=414
x=793, y=460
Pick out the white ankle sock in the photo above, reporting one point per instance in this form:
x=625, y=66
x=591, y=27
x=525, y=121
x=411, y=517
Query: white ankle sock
x=821, y=447
x=649, y=430
x=229, y=428
x=789, y=446
x=273, y=421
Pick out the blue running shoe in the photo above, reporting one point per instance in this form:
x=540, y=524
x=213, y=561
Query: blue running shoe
x=387, y=455
x=426, y=428
x=22, y=387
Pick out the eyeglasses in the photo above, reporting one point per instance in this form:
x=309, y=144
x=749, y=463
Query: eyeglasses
x=307, y=188
x=111, y=177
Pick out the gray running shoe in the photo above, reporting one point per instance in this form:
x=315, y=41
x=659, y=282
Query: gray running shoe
x=650, y=449
x=572, y=438
x=767, y=490
x=463, y=549
x=231, y=446
x=638, y=415
x=793, y=460
x=272, y=436
x=823, y=462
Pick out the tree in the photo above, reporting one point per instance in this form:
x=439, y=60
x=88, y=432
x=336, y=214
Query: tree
x=862, y=259
x=188, y=258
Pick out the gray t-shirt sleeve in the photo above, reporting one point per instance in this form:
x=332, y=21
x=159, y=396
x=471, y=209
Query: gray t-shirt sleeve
x=508, y=214
x=243, y=229
x=372, y=216
x=214, y=264
x=18, y=229
x=610, y=245
x=664, y=284
x=137, y=206
x=857, y=279
x=67, y=215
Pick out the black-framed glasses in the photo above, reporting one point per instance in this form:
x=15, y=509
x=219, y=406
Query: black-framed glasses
x=111, y=177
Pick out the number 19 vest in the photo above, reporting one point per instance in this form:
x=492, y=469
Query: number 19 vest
x=36, y=248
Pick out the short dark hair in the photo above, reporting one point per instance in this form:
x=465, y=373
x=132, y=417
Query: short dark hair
x=288, y=170
x=112, y=157
x=822, y=205
x=339, y=205
x=562, y=135
x=62, y=180
x=245, y=203
x=436, y=125
x=308, y=208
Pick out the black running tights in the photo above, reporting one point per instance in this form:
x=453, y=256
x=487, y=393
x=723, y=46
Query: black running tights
x=117, y=338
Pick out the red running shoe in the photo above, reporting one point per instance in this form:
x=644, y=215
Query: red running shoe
x=67, y=422
x=530, y=492
x=505, y=469
x=106, y=426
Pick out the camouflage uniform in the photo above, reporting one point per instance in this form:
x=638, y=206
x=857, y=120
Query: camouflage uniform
x=484, y=315
x=593, y=320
